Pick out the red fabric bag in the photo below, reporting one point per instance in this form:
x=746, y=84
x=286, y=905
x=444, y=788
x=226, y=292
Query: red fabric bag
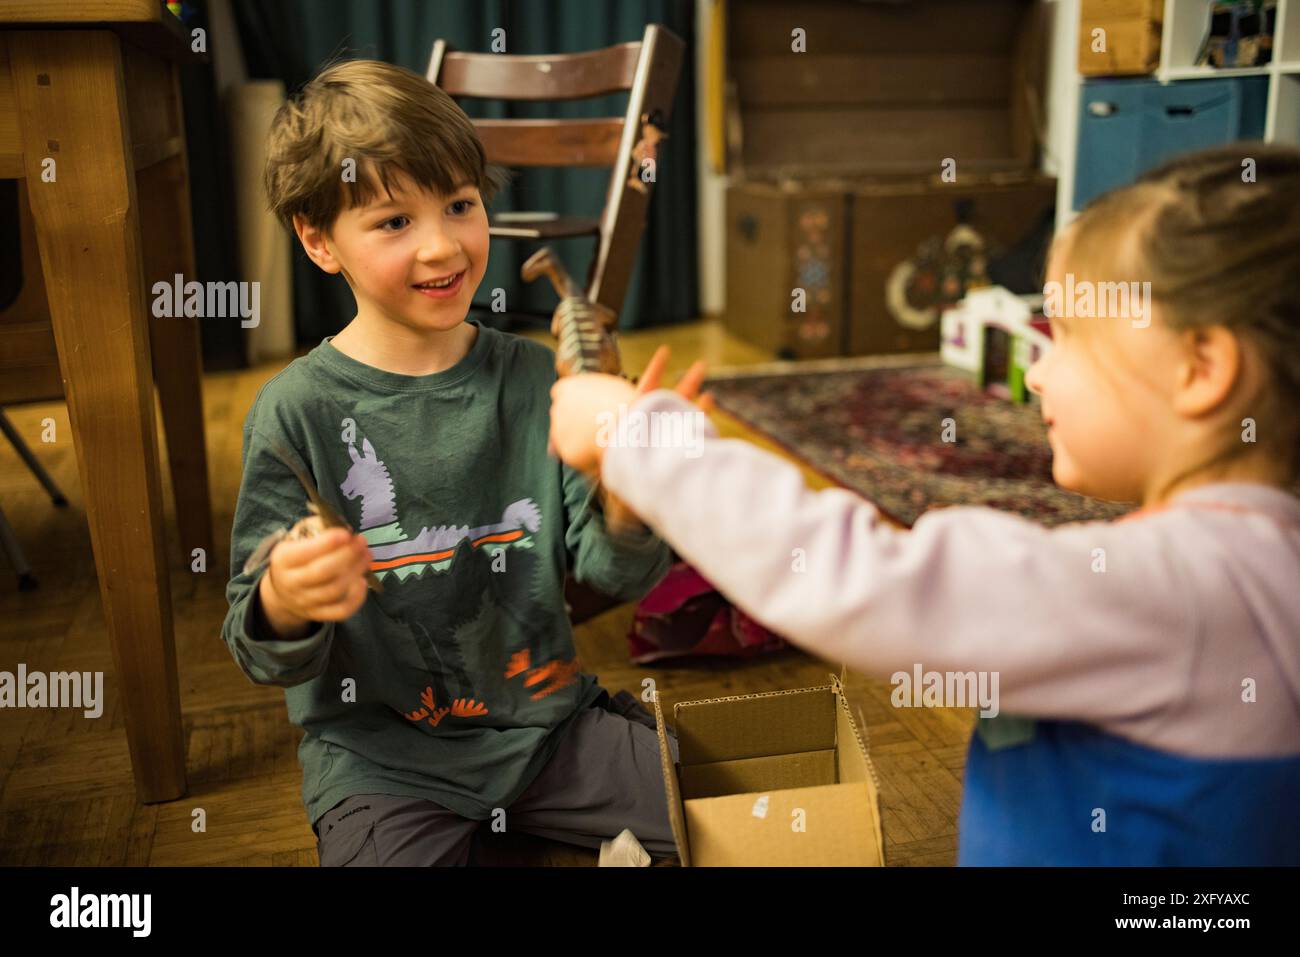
x=684, y=615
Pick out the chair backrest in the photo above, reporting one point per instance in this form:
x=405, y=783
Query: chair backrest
x=573, y=76
x=647, y=70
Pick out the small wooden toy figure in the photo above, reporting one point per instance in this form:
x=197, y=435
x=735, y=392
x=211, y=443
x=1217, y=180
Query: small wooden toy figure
x=585, y=343
x=582, y=328
x=322, y=516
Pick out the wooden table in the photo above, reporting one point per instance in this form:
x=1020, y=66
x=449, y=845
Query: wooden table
x=94, y=86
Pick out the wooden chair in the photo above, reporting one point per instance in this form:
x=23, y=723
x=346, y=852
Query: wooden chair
x=647, y=70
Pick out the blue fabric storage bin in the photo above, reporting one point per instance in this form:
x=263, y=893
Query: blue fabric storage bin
x=1128, y=126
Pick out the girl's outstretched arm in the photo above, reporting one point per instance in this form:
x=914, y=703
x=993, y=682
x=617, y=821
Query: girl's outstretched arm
x=1088, y=621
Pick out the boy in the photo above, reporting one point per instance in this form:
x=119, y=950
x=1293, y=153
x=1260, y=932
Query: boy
x=452, y=696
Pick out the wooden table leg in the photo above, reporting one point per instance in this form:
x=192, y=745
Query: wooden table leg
x=168, y=249
x=70, y=94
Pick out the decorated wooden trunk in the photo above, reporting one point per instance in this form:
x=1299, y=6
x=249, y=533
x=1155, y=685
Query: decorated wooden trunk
x=878, y=155
x=786, y=277
x=916, y=249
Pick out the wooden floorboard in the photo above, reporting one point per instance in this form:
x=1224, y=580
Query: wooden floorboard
x=66, y=790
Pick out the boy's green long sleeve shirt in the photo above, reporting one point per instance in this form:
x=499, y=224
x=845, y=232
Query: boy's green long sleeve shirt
x=456, y=683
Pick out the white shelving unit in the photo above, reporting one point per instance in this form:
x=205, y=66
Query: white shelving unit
x=1184, y=29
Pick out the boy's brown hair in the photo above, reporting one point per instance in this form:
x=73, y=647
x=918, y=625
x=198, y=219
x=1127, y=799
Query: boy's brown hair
x=1217, y=234
x=385, y=119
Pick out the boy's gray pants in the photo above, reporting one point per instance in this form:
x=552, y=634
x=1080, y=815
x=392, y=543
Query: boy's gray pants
x=605, y=776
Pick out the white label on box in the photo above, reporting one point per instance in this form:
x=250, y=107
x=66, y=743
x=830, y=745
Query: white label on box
x=760, y=807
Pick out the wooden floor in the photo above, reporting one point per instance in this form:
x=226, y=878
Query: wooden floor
x=66, y=791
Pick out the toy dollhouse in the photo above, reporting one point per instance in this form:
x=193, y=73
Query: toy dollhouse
x=995, y=336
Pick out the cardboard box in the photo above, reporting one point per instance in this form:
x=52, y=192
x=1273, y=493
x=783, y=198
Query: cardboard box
x=1132, y=46
x=774, y=779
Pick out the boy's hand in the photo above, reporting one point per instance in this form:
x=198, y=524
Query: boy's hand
x=582, y=404
x=619, y=517
x=321, y=578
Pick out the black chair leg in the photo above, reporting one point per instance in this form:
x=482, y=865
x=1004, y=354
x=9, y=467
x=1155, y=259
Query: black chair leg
x=42, y=476
x=9, y=545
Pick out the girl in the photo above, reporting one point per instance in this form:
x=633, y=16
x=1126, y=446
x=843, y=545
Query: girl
x=1157, y=657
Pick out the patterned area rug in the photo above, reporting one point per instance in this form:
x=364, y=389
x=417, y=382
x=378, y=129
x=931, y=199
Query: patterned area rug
x=874, y=425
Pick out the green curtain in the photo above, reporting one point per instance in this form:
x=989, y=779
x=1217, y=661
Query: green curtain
x=289, y=39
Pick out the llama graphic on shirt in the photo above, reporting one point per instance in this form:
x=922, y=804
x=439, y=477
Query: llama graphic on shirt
x=433, y=551
x=393, y=553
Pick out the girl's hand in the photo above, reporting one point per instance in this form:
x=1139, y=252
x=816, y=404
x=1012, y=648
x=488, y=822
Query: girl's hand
x=585, y=408
x=581, y=407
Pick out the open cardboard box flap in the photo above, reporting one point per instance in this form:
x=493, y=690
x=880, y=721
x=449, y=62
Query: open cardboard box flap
x=778, y=778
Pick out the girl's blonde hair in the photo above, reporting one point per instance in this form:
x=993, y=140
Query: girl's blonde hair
x=384, y=118
x=1217, y=234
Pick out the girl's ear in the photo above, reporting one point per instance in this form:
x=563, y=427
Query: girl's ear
x=316, y=244
x=1209, y=372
